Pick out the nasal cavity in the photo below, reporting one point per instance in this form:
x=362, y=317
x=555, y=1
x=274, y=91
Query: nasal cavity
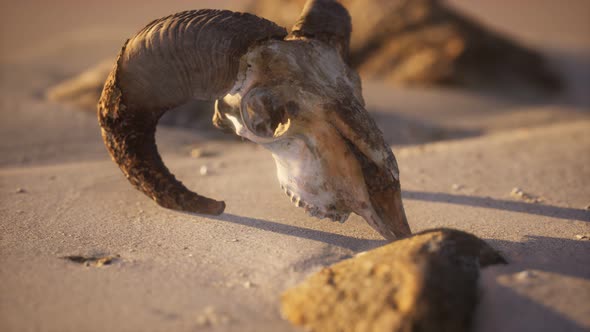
x=266, y=115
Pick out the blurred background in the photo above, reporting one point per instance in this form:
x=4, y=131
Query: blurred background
x=432, y=70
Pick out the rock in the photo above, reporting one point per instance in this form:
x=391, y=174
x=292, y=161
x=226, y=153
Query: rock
x=197, y=153
x=202, y=153
x=525, y=275
x=84, y=89
x=427, y=282
x=582, y=237
x=211, y=317
x=522, y=195
x=427, y=42
x=204, y=170
x=406, y=42
x=96, y=261
x=457, y=187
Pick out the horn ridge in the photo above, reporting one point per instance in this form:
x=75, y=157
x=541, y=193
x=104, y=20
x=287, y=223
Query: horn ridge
x=325, y=20
x=188, y=55
x=130, y=139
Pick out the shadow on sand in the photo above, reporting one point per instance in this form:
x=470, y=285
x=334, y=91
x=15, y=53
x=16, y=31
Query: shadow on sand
x=344, y=241
x=501, y=306
x=500, y=204
x=505, y=307
x=357, y=244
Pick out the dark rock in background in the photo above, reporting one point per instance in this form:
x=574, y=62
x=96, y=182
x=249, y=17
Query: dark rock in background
x=425, y=42
x=83, y=91
x=405, y=42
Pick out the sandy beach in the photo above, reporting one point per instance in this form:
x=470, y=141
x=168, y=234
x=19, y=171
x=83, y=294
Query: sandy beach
x=513, y=171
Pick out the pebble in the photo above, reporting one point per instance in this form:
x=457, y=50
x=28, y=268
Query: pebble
x=210, y=317
x=204, y=170
x=197, y=153
x=20, y=190
x=525, y=275
x=202, y=153
x=582, y=237
x=519, y=193
x=457, y=187
x=248, y=284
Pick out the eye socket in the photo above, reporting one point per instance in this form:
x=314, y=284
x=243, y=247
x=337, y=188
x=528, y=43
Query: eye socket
x=264, y=114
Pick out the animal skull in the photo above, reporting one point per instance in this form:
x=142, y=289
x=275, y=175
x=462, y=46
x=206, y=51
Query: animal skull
x=295, y=95
x=287, y=98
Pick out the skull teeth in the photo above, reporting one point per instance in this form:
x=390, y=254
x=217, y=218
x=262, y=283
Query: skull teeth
x=299, y=202
x=313, y=210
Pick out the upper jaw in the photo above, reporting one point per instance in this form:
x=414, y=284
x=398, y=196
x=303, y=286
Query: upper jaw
x=327, y=183
x=313, y=210
x=242, y=131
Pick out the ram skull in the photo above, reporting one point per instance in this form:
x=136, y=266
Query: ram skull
x=292, y=93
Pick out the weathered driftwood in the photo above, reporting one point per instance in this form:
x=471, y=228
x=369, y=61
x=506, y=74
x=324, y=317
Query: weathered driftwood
x=426, y=42
x=427, y=282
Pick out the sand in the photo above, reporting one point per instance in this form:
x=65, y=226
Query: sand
x=460, y=153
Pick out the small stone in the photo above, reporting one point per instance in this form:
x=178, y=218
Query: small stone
x=204, y=170
x=525, y=275
x=248, y=284
x=457, y=187
x=202, y=153
x=235, y=240
x=92, y=260
x=20, y=190
x=588, y=207
x=211, y=317
x=391, y=288
x=196, y=153
x=527, y=197
x=582, y=237
x=103, y=261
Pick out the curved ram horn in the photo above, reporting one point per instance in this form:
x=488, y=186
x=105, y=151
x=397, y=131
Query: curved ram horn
x=325, y=20
x=189, y=55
